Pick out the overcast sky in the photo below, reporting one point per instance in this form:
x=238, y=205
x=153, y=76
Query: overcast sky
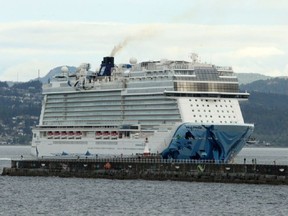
x=249, y=35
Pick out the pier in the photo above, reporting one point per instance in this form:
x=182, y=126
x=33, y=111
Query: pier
x=150, y=169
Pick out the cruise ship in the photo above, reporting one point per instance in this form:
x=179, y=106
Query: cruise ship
x=175, y=109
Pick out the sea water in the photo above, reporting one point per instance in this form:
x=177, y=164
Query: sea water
x=78, y=196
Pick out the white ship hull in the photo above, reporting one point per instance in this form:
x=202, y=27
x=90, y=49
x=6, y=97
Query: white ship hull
x=100, y=147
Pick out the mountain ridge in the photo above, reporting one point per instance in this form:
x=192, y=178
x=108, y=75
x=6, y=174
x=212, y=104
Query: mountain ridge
x=245, y=78
x=273, y=85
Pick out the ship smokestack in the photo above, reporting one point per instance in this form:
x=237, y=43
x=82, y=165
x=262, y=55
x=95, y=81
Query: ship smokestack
x=106, y=66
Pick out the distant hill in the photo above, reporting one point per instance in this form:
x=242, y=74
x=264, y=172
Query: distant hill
x=245, y=78
x=269, y=113
x=272, y=85
x=56, y=71
x=267, y=108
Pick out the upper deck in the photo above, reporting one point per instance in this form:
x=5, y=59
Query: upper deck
x=154, y=76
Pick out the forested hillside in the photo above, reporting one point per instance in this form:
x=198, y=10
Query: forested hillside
x=20, y=107
x=269, y=113
x=274, y=86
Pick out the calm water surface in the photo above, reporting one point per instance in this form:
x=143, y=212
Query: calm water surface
x=76, y=196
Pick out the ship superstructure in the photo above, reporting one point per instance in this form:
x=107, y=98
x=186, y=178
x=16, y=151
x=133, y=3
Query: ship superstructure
x=178, y=109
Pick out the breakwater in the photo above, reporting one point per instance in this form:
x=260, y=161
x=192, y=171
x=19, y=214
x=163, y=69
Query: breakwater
x=150, y=169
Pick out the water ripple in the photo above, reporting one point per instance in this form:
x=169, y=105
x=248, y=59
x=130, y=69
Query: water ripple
x=76, y=196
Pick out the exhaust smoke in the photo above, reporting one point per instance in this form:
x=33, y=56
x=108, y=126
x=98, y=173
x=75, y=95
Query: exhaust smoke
x=144, y=34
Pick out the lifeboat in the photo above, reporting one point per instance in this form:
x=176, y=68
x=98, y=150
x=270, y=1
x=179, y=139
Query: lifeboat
x=106, y=135
x=50, y=135
x=70, y=135
x=114, y=135
x=63, y=135
x=56, y=135
x=98, y=134
x=78, y=134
